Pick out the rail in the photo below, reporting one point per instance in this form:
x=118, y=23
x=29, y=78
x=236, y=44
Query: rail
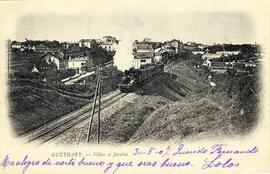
x=58, y=126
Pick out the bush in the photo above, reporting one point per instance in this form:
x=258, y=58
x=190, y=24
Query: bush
x=57, y=75
x=30, y=76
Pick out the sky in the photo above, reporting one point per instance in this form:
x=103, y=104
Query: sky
x=203, y=27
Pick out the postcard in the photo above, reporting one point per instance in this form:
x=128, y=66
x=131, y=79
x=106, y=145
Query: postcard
x=128, y=87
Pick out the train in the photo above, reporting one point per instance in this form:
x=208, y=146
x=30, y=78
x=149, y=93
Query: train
x=133, y=78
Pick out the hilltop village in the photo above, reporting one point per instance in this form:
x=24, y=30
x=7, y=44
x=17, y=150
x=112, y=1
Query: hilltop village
x=73, y=58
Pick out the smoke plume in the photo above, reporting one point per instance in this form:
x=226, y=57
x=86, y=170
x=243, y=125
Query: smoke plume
x=123, y=57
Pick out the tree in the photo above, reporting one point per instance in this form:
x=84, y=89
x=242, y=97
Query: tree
x=99, y=55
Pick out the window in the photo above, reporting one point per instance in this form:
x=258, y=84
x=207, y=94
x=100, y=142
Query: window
x=143, y=60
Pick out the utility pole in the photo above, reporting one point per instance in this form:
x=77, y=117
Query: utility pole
x=99, y=103
x=97, y=94
x=93, y=112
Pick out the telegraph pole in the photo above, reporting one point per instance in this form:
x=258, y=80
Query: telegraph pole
x=93, y=111
x=99, y=103
x=97, y=95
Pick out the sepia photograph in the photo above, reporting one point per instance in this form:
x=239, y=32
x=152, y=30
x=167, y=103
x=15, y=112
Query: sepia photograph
x=104, y=87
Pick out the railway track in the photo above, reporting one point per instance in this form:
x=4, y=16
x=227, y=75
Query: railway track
x=53, y=129
x=184, y=87
x=166, y=67
x=58, y=126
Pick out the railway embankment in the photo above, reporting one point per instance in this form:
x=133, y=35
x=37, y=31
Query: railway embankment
x=227, y=110
x=35, y=103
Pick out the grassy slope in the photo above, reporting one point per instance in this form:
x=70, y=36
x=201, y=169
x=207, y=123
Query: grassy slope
x=31, y=107
x=179, y=120
x=22, y=61
x=213, y=115
x=188, y=76
x=34, y=103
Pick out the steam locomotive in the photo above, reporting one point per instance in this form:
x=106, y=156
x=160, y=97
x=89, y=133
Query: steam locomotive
x=133, y=78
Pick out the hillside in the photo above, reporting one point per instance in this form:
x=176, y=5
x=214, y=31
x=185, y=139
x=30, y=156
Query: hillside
x=31, y=107
x=34, y=103
x=230, y=109
x=177, y=106
x=22, y=61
